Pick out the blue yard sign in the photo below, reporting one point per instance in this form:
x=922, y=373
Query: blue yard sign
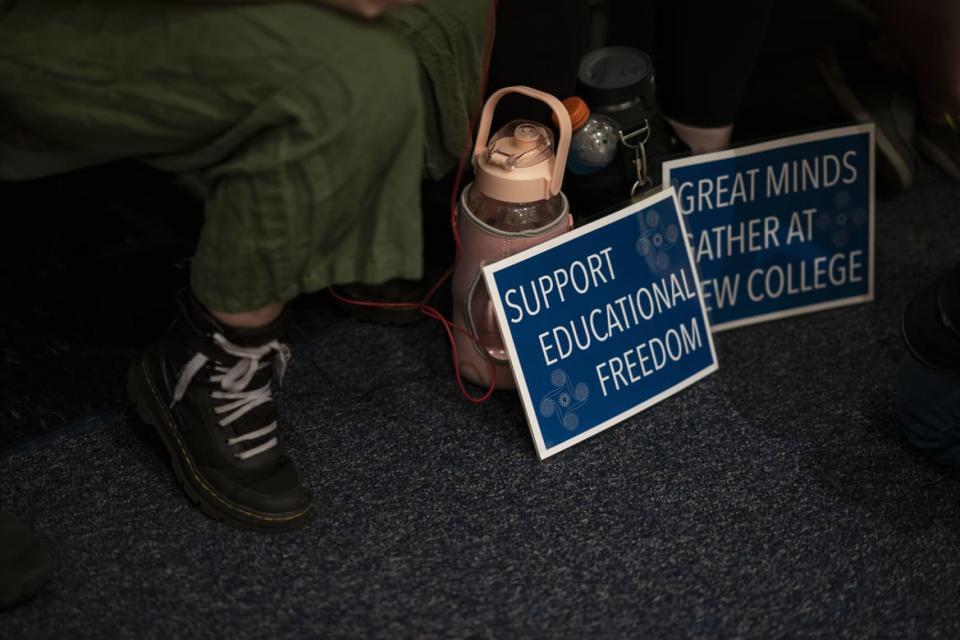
x=783, y=227
x=602, y=322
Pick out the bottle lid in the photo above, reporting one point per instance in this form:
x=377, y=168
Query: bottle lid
x=517, y=163
x=618, y=81
x=578, y=110
x=520, y=162
x=519, y=144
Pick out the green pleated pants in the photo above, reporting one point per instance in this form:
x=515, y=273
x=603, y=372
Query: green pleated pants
x=309, y=130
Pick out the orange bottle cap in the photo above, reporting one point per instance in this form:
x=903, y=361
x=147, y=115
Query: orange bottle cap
x=578, y=110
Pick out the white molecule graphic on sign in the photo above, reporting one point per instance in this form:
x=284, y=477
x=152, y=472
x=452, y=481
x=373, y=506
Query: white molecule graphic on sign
x=656, y=240
x=839, y=225
x=564, y=400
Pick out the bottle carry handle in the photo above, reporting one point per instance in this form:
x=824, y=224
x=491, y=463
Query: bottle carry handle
x=563, y=119
x=497, y=354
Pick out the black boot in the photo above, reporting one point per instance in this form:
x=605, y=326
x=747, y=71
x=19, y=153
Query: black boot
x=24, y=565
x=205, y=388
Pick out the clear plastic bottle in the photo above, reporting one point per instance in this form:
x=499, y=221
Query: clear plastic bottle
x=514, y=216
x=517, y=145
x=595, y=138
x=514, y=203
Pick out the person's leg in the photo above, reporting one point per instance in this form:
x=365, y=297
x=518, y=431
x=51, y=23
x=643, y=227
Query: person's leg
x=701, y=139
x=306, y=129
x=927, y=34
x=928, y=401
x=309, y=141
x=250, y=319
x=24, y=562
x=705, y=54
x=928, y=379
x=318, y=183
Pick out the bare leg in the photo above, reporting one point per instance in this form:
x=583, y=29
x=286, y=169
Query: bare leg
x=702, y=139
x=250, y=319
x=705, y=55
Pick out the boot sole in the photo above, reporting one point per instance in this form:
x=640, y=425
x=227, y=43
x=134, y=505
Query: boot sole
x=33, y=572
x=143, y=393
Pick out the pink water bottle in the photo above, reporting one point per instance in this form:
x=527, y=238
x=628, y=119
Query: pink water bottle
x=514, y=203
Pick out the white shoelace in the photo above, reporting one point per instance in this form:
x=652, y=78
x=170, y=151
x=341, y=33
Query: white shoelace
x=233, y=384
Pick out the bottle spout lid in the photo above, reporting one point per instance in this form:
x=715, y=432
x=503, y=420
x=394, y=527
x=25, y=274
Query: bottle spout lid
x=521, y=163
x=526, y=137
x=519, y=144
x=578, y=109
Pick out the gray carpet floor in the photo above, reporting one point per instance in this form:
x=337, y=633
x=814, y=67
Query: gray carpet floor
x=774, y=499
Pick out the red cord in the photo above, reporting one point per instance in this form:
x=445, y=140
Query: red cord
x=423, y=306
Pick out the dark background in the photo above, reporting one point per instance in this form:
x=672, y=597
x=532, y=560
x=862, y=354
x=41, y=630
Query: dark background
x=90, y=261
x=775, y=498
